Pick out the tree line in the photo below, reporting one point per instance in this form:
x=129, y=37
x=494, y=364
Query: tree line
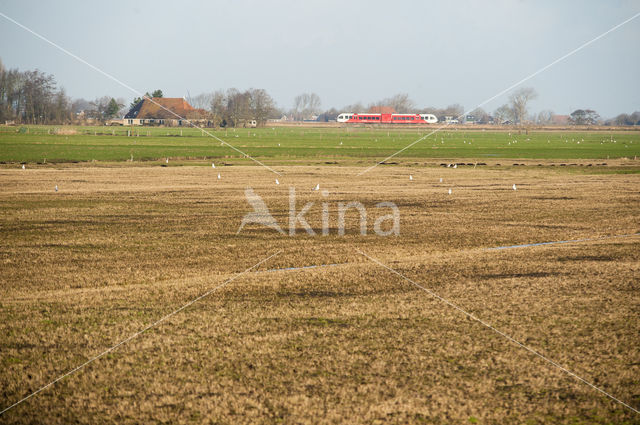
x=235, y=108
x=33, y=97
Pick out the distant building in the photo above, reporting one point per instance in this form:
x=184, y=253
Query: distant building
x=381, y=110
x=449, y=119
x=281, y=119
x=560, y=119
x=169, y=111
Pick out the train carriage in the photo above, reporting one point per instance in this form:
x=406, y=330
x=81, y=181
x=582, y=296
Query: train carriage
x=348, y=117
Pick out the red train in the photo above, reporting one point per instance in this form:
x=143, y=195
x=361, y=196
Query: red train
x=348, y=117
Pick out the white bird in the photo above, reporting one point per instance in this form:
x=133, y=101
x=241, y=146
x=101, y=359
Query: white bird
x=167, y=161
x=514, y=186
x=440, y=179
x=219, y=176
x=213, y=165
x=410, y=177
x=277, y=182
x=455, y=165
x=278, y=144
x=449, y=191
x=56, y=188
x=317, y=187
x=23, y=166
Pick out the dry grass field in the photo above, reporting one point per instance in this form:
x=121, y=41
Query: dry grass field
x=118, y=248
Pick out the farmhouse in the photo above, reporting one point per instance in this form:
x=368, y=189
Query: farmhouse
x=169, y=111
x=381, y=110
x=560, y=119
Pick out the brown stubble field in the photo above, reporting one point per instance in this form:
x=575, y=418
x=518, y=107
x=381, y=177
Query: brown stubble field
x=118, y=248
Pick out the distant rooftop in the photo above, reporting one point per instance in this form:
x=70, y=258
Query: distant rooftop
x=160, y=107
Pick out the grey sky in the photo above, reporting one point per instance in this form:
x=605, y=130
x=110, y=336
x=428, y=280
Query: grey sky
x=345, y=51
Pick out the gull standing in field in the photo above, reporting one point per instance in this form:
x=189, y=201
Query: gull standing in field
x=219, y=176
x=277, y=182
x=166, y=161
x=449, y=191
x=317, y=187
x=514, y=187
x=56, y=188
x=23, y=166
x=455, y=165
x=410, y=177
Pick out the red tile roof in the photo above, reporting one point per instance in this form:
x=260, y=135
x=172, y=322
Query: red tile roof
x=160, y=107
x=381, y=110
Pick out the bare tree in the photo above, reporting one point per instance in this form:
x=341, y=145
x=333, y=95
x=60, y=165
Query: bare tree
x=305, y=106
x=238, y=110
x=503, y=114
x=545, y=117
x=61, y=107
x=38, y=92
x=355, y=108
x=455, y=110
x=480, y=115
x=584, y=117
x=401, y=103
x=99, y=108
x=261, y=105
x=123, y=106
x=519, y=100
x=202, y=101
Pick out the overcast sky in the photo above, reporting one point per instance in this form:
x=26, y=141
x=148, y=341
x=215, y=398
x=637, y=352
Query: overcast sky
x=345, y=51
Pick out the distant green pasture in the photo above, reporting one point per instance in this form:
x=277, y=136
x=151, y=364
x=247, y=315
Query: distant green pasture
x=35, y=143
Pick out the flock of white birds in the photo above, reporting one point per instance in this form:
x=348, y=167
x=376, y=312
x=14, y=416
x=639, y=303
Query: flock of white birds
x=317, y=186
